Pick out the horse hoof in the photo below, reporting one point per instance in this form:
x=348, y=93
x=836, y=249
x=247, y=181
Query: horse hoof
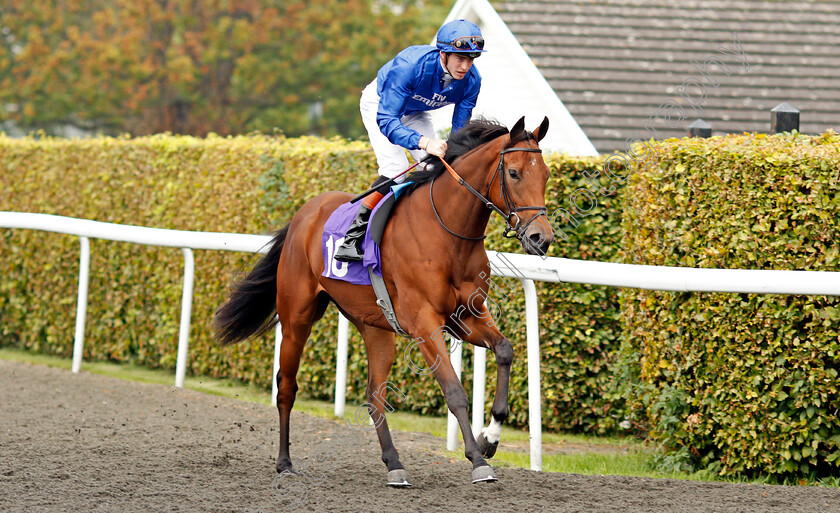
x=483, y=474
x=286, y=468
x=398, y=478
x=487, y=449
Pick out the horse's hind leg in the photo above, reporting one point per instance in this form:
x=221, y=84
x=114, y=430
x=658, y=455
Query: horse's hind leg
x=297, y=314
x=380, y=347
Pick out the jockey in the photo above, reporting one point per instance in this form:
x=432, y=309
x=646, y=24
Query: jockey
x=395, y=110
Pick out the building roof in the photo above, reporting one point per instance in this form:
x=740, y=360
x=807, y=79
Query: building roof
x=642, y=68
x=512, y=86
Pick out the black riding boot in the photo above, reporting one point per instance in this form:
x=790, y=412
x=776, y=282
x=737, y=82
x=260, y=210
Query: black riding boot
x=351, y=249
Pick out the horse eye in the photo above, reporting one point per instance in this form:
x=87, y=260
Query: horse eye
x=513, y=173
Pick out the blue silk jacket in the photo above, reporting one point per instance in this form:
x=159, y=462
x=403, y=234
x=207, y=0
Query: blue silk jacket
x=413, y=82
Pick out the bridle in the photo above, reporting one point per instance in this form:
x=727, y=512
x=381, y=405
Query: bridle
x=517, y=228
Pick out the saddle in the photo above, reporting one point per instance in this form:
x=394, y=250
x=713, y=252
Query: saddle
x=369, y=270
x=379, y=218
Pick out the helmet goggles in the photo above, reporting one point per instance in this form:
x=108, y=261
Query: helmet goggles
x=466, y=43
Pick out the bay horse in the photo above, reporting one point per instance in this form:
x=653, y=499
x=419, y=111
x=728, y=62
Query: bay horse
x=433, y=264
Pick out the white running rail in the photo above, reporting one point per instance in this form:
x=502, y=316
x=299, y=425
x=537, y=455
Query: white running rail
x=526, y=268
x=186, y=240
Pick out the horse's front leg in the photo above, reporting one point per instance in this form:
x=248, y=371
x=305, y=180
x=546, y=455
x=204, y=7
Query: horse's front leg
x=433, y=349
x=481, y=331
x=488, y=439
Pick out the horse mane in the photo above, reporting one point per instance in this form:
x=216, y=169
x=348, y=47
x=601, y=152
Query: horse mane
x=475, y=133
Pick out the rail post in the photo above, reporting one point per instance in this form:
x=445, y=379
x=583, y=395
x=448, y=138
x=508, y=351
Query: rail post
x=186, y=313
x=456, y=348
x=81, y=304
x=341, y=365
x=532, y=328
x=479, y=386
x=278, y=341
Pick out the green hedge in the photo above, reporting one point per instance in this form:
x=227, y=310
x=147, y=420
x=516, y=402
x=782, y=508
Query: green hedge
x=253, y=185
x=736, y=383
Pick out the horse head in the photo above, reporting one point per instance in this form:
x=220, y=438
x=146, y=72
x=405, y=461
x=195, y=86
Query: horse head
x=518, y=188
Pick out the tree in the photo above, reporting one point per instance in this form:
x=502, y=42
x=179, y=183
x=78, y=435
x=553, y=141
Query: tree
x=194, y=67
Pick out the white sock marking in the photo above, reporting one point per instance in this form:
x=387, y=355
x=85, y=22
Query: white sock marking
x=493, y=432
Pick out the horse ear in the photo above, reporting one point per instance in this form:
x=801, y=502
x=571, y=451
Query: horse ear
x=539, y=133
x=517, y=129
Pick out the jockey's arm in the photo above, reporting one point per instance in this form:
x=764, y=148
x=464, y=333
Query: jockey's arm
x=392, y=100
x=463, y=109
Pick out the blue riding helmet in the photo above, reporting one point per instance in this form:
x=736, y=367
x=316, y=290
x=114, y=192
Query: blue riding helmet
x=461, y=36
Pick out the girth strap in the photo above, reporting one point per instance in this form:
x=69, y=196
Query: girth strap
x=384, y=302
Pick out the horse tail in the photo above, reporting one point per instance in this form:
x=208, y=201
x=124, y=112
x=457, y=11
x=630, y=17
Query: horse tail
x=251, y=307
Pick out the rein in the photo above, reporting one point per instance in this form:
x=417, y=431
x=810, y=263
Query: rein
x=513, y=210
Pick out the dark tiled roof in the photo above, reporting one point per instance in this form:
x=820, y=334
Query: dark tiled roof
x=616, y=64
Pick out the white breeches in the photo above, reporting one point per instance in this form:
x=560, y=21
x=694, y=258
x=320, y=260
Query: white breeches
x=390, y=157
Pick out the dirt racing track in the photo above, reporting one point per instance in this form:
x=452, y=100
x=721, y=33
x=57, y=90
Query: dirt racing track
x=91, y=443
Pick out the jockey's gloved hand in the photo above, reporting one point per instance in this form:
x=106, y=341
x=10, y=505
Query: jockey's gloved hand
x=433, y=146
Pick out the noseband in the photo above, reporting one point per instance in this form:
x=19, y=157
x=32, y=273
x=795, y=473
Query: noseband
x=517, y=228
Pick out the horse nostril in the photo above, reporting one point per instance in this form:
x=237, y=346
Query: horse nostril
x=537, y=239
x=539, y=242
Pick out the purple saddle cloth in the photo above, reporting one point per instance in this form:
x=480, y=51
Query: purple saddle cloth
x=332, y=238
